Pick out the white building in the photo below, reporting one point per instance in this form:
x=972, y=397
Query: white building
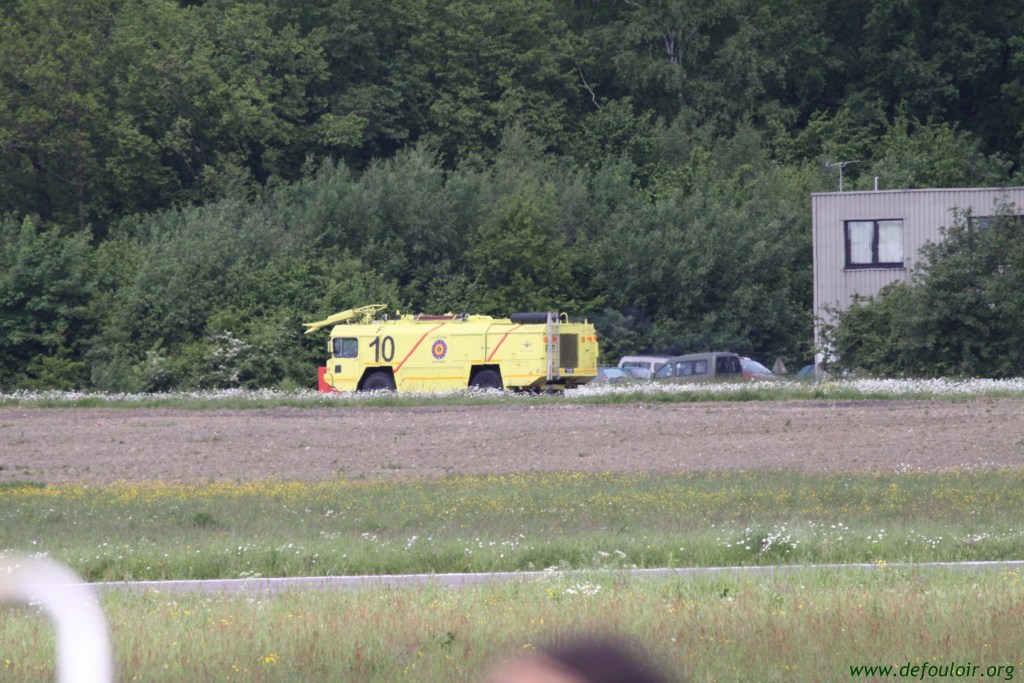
x=866, y=240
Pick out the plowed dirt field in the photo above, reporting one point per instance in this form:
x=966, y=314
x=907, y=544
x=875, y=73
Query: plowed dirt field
x=101, y=445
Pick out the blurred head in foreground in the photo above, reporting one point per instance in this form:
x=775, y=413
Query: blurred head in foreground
x=591, y=661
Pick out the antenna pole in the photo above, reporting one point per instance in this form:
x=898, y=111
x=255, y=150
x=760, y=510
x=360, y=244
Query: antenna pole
x=840, y=165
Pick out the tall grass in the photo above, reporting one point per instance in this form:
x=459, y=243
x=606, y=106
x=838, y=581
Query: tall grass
x=803, y=626
x=515, y=522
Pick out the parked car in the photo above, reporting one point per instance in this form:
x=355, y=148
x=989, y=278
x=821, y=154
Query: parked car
x=650, y=363
x=639, y=373
x=752, y=370
x=716, y=366
x=811, y=373
x=613, y=374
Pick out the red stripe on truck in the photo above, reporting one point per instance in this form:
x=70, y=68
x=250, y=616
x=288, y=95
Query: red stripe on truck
x=416, y=346
x=498, y=346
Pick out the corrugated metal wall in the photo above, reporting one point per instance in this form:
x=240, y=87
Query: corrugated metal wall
x=923, y=213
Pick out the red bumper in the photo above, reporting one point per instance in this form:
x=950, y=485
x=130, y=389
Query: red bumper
x=322, y=386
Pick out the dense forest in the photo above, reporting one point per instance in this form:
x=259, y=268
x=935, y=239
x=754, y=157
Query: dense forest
x=184, y=182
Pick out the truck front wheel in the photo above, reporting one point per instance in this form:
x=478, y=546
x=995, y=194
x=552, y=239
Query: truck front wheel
x=379, y=381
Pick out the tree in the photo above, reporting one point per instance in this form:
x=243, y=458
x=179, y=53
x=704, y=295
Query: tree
x=912, y=155
x=714, y=257
x=375, y=88
x=203, y=95
x=486, y=76
x=519, y=259
x=660, y=48
x=941, y=61
x=52, y=104
x=45, y=318
x=961, y=315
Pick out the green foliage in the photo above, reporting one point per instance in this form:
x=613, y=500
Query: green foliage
x=963, y=313
x=234, y=166
x=911, y=155
x=870, y=333
x=615, y=131
x=848, y=134
x=218, y=296
x=520, y=256
x=44, y=305
x=51, y=105
x=412, y=229
x=116, y=106
x=201, y=92
x=486, y=77
x=721, y=250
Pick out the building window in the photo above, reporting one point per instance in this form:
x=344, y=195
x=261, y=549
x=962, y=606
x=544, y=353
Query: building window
x=983, y=223
x=874, y=244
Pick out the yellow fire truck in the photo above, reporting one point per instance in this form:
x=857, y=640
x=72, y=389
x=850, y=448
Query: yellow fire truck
x=526, y=351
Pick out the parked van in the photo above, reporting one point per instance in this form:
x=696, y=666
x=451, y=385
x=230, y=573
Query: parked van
x=716, y=366
x=650, y=363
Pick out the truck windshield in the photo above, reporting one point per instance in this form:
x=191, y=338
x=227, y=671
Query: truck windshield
x=346, y=347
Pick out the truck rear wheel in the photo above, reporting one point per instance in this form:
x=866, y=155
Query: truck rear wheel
x=487, y=379
x=379, y=381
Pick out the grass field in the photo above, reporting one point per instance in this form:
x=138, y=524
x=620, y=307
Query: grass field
x=801, y=626
x=515, y=522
